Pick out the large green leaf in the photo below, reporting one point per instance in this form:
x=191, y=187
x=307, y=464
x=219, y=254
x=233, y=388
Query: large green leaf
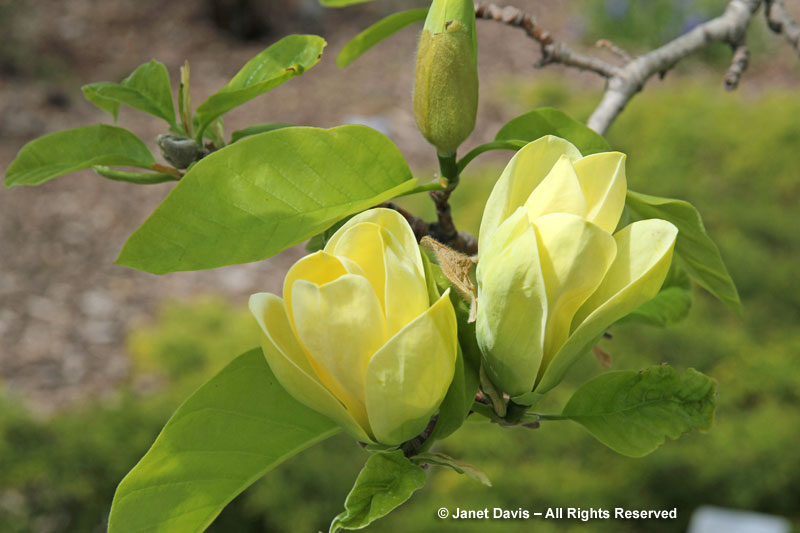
x=146, y=89
x=698, y=253
x=378, y=32
x=224, y=437
x=669, y=306
x=287, y=58
x=266, y=193
x=633, y=412
x=549, y=121
x=71, y=150
x=387, y=480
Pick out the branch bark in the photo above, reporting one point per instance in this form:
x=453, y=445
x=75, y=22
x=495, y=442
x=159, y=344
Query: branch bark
x=623, y=82
x=779, y=21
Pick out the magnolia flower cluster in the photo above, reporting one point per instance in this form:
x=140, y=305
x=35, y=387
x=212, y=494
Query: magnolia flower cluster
x=359, y=338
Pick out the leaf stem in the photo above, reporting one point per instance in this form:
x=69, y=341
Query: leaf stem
x=423, y=188
x=494, y=145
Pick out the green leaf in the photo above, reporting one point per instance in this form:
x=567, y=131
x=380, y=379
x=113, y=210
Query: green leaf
x=549, y=121
x=387, y=480
x=287, y=58
x=669, y=306
x=697, y=252
x=258, y=128
x=76, y=149
x=235, y=428
x=341, y=3
x=378, y=32
x=141, y=178
x=633, y=412
x=440, y=459
x=146, y=89
x=265, y=193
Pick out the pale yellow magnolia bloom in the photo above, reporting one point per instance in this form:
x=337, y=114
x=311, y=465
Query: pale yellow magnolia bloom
x=552, y=274
x=356, y=336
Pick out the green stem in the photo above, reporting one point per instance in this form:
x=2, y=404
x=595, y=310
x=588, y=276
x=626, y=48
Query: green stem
x=494, y=145
x=423, y=188
x=449, y=169
x=550, y=417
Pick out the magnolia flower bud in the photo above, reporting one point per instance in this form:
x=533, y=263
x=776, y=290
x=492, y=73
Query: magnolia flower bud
x=446, y=81
x=552, y=274
x=356, y=337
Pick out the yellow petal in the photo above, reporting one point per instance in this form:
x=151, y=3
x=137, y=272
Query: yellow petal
x=523, y=173
x=643, y=259
x=319, y=267
x=406, y=294
x=340, y=324
x=602, y=177
x=512, y=306
x=409, y=376
x=559, y=192
x=290, y=365
x=575, y=256
x=362, y=244
x=644, y=254
x=382, y=244
x=391, y=221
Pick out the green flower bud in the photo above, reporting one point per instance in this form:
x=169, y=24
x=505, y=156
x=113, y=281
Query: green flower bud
x=446, y=82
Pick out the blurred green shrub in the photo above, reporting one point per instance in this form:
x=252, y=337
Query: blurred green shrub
x=732, y=156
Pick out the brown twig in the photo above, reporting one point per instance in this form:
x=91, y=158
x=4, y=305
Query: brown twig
x=626, y=80
x=780, y=22
x=552, y=51
x=614, y=49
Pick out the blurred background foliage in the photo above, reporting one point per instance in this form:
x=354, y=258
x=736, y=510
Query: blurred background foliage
x=733, y=156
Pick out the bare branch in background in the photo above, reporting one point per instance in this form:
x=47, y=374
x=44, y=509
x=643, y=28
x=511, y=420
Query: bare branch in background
x=780, y=22
x=741, y=57
x=626, y=80
x=552, y=51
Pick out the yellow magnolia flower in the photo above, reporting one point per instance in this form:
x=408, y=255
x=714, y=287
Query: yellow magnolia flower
x=355, y=336
x=551, y=276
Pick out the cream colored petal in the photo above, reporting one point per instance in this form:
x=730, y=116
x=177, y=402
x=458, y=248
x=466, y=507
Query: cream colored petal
x=340, y=324
x=290, y=365
x=512, y=306
x=406, y=294
x=409, y=376
x=643, y=259
x=391, y=221
x=363, y=244
x=602, y=177
x=523, y=173
x=559, y=192
x=644, y=254
x=319, y=268
x=575, y=256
